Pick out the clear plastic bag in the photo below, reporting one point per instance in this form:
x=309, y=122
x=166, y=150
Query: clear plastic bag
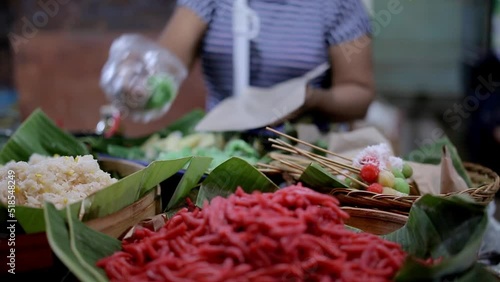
x=141, y=78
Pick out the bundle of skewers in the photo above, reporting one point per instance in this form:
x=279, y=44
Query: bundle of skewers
x=373, y=170
x=374, y=178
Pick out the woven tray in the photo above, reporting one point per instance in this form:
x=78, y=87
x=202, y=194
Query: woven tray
x=485, y=181
x=374, y=221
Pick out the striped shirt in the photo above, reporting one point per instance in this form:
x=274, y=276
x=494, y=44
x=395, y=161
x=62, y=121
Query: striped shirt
x=293, y=39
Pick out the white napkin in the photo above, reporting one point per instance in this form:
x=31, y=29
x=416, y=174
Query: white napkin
x=259, y=107
x=349, y=144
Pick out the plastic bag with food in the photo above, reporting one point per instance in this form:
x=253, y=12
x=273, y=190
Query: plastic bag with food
x=141, y=78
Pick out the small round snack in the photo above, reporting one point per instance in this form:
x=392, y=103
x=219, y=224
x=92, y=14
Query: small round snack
x=401, y=185
x=397, y=174
x=386, y=178
x=407, y=170
x=369, y=173
x=375, y=188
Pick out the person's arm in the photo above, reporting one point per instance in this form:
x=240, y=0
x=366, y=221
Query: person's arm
x=182, y=35
x=352, y=88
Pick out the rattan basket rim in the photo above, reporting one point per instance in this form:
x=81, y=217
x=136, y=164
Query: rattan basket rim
x=482, y=194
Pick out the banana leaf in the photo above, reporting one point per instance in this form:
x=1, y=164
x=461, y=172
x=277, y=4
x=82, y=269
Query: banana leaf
x=130, y=188
x=32, y=219
x=193, y=194
x=448, y=228
x=39, y=134
x=225, y=179
x=108, y=200
x=127, y=153
x=432, y=154
x=315, y=176
x=83, y=244
x=100, y=144
x=195, y=171
x=77, y=245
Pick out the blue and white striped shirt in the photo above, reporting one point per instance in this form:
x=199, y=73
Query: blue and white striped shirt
x=293, y=39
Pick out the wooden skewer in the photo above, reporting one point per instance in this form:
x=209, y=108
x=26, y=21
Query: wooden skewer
x=296, y=166
x=328, y=163
x=269, y=170
x=343, y=165
x=275, y=155
x=320, y=159
x=289, y=148
x=307, y=144
x=333, y=168
x=284, y=149
x=323, y=162
x=306, y=162
x=284, y=168
x=266, y=165
x=284, y=144
x=310, y=155
x=270, y=166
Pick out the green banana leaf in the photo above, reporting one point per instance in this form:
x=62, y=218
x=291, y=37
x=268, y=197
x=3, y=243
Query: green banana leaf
x=127, y=153
x=193, y=194
x=316, y=177
x=130, y=188
x=455, y=236
x=228, y=176
x=32, y=219
x=39, y=134
x=432, y=154
x=100, y=144
x=83, y=244
x=190, y=179
x=110, y=199
x=77, y=245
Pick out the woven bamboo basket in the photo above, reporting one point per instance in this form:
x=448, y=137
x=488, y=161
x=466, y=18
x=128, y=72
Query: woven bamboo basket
x=374, y=221
x=486, y=184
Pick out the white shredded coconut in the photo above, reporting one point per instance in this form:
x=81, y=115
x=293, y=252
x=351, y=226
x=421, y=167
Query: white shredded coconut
x=396, y=163
x=379, y=155
x=59, y=180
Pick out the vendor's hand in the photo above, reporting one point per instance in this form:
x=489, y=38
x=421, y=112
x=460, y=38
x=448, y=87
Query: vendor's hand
x=141, y=78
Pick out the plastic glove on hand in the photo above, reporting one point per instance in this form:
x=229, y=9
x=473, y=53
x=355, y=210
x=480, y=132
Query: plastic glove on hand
x=141, y=78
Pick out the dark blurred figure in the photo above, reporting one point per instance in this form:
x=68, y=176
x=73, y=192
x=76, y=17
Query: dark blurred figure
x=483, y=90
x=6, y=22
